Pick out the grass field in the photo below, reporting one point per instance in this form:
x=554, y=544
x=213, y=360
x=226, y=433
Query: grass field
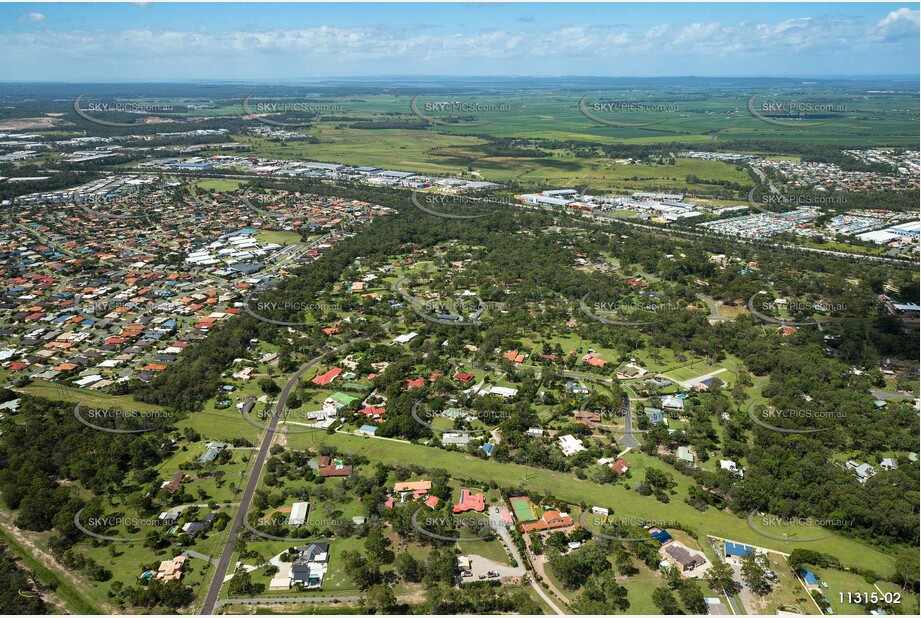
x=278, y=236
x=697, y=118
x=909, y=601
x=625, y=501
x=215, y=184
x=59, y=392
x=841, y=582
x=786, y=591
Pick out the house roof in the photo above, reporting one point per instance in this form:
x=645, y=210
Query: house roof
x=470, y=502
x=413, y=486
x=327, y=377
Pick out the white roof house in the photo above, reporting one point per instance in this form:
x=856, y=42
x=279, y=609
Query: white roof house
x=502, y=391
x=455, y=439
x=570, y=445
x=299, y=513
x=405, y=338
x=727, y=464
x=674, y=403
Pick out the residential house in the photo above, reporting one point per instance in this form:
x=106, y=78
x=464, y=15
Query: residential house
x=310, y=566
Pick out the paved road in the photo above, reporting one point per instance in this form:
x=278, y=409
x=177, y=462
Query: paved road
x=194, y=554
x=628, y=439
x=888, y=395
x=273, y=600
x=247, y=497
x=714, y=308
x=506, y=537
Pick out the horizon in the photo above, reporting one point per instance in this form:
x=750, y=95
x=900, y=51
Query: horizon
x=294, y=81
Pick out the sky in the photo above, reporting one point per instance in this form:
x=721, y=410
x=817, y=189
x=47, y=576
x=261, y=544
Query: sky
x=280, y=42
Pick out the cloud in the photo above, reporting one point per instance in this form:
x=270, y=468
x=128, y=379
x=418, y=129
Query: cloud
x=901, y=16
x=898, y=25
x=32, y=18
x=572, y=48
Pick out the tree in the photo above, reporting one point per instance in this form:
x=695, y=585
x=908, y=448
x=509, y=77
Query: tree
x=380, y=599
x=378, y=546
x=719, y=577
x=242, y=583
x=692, y=597
x=672, y=576
x=408, y=567
x=753, y=574
x=268, y=386
x=663, y=599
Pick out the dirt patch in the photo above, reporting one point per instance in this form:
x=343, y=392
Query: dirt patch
x=25, y=124
x=47, y=560
x=730, y=311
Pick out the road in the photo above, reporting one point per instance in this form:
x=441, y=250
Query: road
x=537, y=564
x=628, y=438
x=194, y=554
x=506, y=537
x=887, y=395
x=247, y=497
x=714, y=308
x=274, y=600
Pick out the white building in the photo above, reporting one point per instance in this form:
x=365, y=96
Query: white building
x=299, y=513
x=502, y=391
x=405, y=338
x=570, y=445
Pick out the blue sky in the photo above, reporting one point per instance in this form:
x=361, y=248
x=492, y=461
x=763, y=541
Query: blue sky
x=270, y=42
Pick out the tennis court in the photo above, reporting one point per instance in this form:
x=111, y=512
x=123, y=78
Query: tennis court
x=522, y=507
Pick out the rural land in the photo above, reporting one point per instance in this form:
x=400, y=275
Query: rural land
x=455, y=345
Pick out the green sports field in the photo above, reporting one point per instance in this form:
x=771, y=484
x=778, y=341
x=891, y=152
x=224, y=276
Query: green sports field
x=523, y=510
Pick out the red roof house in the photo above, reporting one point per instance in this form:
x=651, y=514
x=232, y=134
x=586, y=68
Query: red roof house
x=470, y=502
x=327, y=377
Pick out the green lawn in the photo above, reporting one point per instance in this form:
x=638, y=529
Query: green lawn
x=280, y=237
x=786, y=591
x=86, y=397
x=841, y=582
x=626, y=502
x=217, y=184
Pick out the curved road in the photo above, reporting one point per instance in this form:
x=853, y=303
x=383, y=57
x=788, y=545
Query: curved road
x=247, y=497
